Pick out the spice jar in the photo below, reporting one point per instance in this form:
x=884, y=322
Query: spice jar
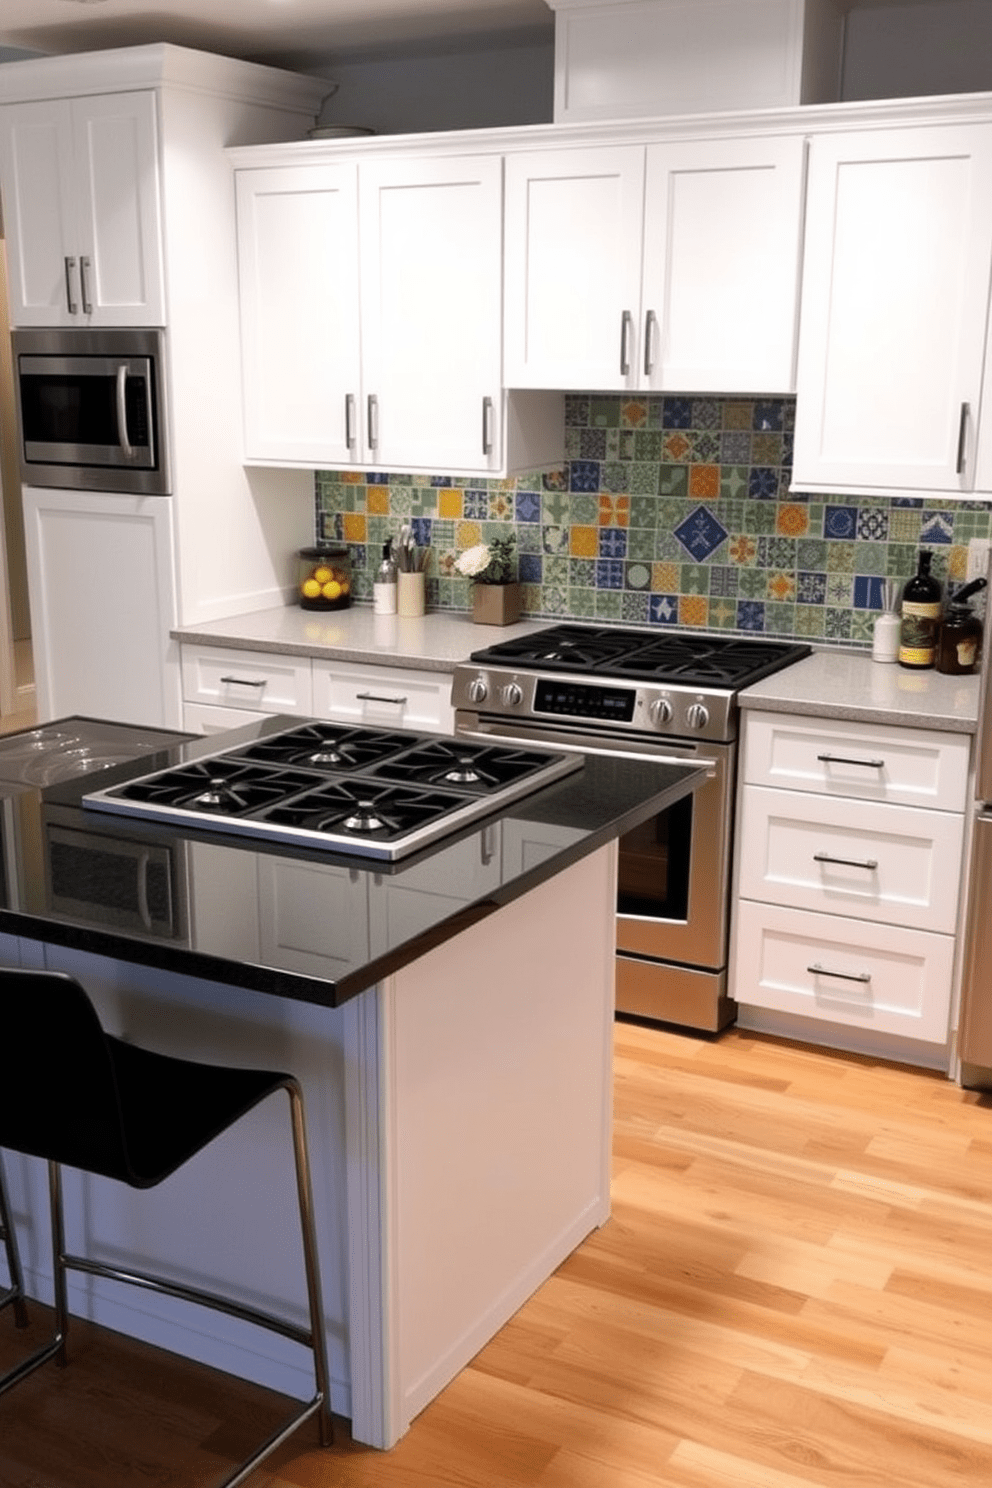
x=324, y=577
x=960, y=643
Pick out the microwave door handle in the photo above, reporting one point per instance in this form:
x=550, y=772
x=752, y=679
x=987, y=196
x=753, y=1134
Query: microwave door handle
x=122, y=438
x=142, y=888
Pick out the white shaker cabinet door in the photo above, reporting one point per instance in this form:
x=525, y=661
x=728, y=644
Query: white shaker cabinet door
x=722, y=248
x=895, y=294
x=82, y=206
x=298, y=278
x=102, y=587
x=573, y=268
x=430, y=302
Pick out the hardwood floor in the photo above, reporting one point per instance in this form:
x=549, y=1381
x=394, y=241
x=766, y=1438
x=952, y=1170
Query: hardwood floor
x=794, y=1291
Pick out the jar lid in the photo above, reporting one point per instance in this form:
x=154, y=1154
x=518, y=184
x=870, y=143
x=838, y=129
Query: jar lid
x=325, y=550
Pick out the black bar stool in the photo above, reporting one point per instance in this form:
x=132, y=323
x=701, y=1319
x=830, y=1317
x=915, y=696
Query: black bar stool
x=14, y=1293
x=76, y=1096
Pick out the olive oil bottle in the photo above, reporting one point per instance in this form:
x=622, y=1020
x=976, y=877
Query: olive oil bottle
x=920, y=610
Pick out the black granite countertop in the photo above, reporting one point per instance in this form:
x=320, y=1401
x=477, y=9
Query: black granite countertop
x=299, y=923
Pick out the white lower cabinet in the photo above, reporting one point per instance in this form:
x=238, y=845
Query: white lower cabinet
x=224, y=687
x=383, y=697
x=848, y=877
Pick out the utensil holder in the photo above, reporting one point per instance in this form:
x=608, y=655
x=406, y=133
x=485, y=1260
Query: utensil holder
x=410, y=593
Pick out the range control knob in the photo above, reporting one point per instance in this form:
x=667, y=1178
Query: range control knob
x=477, y=690
x=697, y=716
x=660, y=712
x=511, y=694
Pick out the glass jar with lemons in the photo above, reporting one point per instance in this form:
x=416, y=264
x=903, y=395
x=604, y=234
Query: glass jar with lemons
x=324, y=580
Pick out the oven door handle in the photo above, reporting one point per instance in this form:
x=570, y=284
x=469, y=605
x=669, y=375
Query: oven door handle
x=122, y=435
x=568, y=746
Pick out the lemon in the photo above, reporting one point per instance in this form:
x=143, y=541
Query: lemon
x=310, y=588
x=322, y=574
x=331, y=590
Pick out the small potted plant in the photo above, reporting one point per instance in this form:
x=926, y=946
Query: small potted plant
x=495, y=588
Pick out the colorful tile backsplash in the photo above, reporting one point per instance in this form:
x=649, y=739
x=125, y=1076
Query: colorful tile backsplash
x=668, y=511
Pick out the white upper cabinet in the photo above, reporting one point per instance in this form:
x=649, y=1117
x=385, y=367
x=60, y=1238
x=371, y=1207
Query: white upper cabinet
x=371, y=318
x=82, y=209
x=298, y=277
x=894, y=303
x=672, y=265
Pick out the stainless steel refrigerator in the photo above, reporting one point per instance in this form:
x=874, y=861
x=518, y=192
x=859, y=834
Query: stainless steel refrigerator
x=975, y=1035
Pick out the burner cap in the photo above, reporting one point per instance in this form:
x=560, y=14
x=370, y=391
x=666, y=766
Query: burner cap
x=329, y=755
x=364, y=818
x=462, y=772
x=218, y=793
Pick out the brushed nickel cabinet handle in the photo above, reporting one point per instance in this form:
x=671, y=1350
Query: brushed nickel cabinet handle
x=487, y=426
x=844, y=976
x=84, y=271
x=650, y=326
x=626, y=327
x=843, y=759
x=373, y=421
x=349, y=419
x=70, y=270
x=869, y=863
x=962, y=431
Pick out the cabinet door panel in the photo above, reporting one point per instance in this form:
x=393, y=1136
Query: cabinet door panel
x=431, y=261
x=895, y=292
x=36, y=167
x=722, y=247
x=573, y=265
x=120, y=229
x=298, y=274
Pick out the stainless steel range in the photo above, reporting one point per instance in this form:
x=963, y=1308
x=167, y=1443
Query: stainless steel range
x=362, y=791
x=618, y=691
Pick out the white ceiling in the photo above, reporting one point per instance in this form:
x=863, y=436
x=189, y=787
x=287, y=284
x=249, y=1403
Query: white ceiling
x=289, y=33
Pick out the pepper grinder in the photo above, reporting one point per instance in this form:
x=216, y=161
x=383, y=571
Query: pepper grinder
x=885, y=637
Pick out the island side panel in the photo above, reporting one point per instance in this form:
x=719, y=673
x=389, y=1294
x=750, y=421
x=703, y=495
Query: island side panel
x=494, y=1079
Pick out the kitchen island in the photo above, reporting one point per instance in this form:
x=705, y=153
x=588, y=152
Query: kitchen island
x=449, y=1016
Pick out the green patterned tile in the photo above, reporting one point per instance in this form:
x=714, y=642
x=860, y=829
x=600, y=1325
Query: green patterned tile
x=609, y=604
x=694, y=578
x=582, y=602
x=810, y=621
x=840, y=557
x=641, y=544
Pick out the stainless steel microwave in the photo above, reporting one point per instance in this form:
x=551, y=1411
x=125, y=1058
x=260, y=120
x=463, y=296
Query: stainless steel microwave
x=91, y=409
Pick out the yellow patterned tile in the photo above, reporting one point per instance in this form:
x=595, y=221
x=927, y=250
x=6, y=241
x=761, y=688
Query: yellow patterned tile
x=614, y=511
x=450, y=502
x=743, y=549
x=676, y=446
x=781, y=586
x=694, y=609
x=583, y=542
x=467, y=534
x=350, y=477
x=792, y=520
x=664, y=577
x=354, y=527
x=633, y=414
x=957, y=564
x=377, y=501
x=704, y=482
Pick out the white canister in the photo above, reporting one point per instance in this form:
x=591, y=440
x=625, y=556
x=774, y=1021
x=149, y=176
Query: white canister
x=885, y=637
x=410, y=595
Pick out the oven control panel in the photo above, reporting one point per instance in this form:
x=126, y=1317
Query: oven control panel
x=606, y=705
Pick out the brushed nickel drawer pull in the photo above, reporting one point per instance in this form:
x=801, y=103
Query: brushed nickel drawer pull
x=241, y=682
x=70, y=299
x=843, y=759
x=844, y=976
x=377, y=697
x=822, y=857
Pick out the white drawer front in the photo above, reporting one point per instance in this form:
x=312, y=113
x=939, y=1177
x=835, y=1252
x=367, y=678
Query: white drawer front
x=888, y=863
x=911, y=767
x=203, y=718
x=383, y=697
x=844, y=971
x=247, y=680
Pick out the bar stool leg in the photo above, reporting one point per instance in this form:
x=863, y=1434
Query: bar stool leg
x=305, y=1194
x=16, y=1293
x=58, y=1262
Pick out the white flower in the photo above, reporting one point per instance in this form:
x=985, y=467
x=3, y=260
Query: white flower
x=473, y=561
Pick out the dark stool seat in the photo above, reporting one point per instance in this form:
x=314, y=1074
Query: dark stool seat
x=75, y=1095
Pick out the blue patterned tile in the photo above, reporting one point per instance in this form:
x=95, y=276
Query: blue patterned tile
x=700, y=534
x=583, y=475
x=609, y=573
x=612, y=542
x=750, y=614
x=936, y=527
x=840, y=522
x=768, y=414
x=476, y=505
x=676, y=413
x=868, y=592
x=440, y=480
x=763, y=483
x=873, y=524
x=664, y=609
x=531, y=568
x=528, y=506
x=811, y=588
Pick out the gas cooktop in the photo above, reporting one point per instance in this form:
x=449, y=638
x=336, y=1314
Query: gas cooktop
x=363, y=791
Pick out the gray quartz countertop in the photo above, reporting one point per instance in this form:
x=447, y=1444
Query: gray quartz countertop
x=849, y=685
x=435, y=642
